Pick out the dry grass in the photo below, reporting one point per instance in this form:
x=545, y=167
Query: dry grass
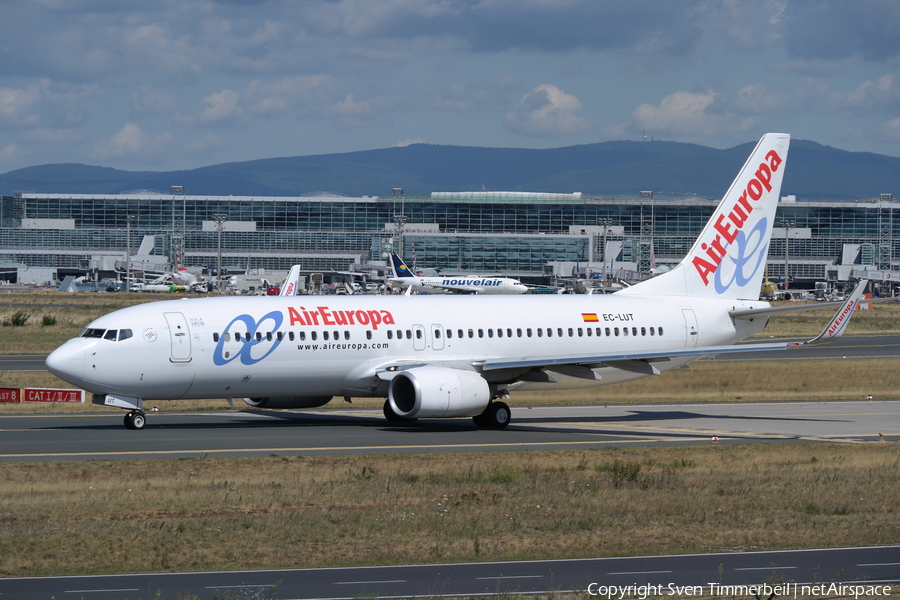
x=185, y=515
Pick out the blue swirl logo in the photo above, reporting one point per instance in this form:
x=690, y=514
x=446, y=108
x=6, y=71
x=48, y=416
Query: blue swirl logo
x=248, y=341
x=752, y=249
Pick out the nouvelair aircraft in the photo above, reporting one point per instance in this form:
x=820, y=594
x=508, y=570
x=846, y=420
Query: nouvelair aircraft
x=446, y=356
x=453, y=284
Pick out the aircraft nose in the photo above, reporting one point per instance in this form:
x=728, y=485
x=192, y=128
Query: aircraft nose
x=67, y=361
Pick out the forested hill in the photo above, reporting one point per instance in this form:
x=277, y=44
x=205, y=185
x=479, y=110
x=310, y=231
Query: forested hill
x=813, y=171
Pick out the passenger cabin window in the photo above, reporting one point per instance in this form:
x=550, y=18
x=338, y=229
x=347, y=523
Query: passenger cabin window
x=390, y=334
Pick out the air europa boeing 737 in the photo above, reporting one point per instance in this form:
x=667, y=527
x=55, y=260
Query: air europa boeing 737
x=447, y=356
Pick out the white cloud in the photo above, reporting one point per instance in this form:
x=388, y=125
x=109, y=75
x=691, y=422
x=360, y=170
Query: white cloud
x=408, y=142
x=130, y=141
x=881, y=94
x=688, y=115
x=547, y=111
x=16, y=106
x=208, y=144
x=13, y=153
x=221, y=106
x=149, y=101
x=286, y=94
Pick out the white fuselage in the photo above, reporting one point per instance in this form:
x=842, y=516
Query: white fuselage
x=336, y=346
x=462, y=285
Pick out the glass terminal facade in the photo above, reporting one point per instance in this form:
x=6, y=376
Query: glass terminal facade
x=513, y=233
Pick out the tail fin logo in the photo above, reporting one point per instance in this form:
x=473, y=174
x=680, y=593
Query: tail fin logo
x=751, y=247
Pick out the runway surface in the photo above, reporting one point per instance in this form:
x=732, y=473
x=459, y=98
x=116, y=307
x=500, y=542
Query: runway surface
x=671, y=576
x=365, y=431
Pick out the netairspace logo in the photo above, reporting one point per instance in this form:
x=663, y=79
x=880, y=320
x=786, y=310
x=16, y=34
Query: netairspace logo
x=783, y=590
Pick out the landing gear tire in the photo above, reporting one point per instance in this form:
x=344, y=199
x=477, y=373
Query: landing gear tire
x=393, y=417
x=495, y=416
x=135, y=419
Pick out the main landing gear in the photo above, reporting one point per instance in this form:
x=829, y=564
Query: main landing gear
x=135, y=419
x=495, y=416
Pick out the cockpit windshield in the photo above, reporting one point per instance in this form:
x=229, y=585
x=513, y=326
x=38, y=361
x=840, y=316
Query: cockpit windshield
x=112, y=335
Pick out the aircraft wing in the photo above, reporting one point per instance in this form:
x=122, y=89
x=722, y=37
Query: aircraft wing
x=641, y=361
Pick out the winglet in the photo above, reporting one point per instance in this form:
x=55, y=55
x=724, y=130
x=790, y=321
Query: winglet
x=841, y=319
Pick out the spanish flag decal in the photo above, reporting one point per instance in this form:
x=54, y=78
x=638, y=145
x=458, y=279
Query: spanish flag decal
x=590, y=317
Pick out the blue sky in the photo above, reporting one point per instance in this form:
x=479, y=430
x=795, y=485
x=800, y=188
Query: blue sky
x=177, y=84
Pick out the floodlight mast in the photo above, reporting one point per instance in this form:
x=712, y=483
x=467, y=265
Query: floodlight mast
x=178, y=226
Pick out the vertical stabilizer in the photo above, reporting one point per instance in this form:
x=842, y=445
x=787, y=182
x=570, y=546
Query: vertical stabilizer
x=289, y=287
x=728, y=259
x=400, y=268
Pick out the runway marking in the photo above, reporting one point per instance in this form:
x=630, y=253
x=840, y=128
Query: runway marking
x=639, y=572
x=763, y=568
x=878, y=564
x=97, y=591
x=248, y=585
x=369, y=582
x=144, y=453
x=513, y=577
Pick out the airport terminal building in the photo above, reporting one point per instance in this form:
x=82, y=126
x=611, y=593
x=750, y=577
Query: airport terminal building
x=44, y=237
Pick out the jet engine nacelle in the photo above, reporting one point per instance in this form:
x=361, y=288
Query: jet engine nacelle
x=438, y=392
x=288, y=401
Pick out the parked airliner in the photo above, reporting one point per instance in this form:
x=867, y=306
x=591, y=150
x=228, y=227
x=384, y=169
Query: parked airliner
x=448, y=356
x=452, y=284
